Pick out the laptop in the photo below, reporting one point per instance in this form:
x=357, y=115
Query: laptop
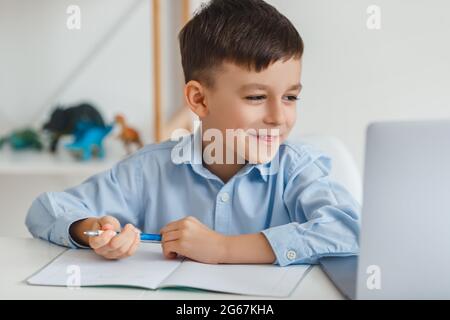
x=405, y=220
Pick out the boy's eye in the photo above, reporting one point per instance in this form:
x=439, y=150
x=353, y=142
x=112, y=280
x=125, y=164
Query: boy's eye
x=255, y=98
x=260, y=98
x=293, y=98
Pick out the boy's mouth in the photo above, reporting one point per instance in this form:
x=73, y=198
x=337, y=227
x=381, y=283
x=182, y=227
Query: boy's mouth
x=266, y=138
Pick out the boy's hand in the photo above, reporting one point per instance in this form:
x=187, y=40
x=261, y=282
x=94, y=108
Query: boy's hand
x=108, y=244
x=190, y=238
x=112, y=246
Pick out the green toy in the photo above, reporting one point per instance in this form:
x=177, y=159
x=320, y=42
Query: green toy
x=23, y=139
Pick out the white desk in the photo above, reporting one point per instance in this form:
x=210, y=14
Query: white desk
x=21, y=257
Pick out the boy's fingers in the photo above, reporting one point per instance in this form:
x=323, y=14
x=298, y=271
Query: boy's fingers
x=103, y=251
x=168, y=251
x=110, y=252
x=108, y=227
x=134, y=246
x=125, y=237
x=96, y=225
x=172, y=226
x=171, y=249
x=110, y=256
x=169, y=227
x=171, y=236
x=111, y=221
x=120, y=245
x=101, y=240
x=123, y=251
x=171, y=255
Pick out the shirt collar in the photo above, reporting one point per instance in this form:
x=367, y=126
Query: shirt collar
x=192, y=144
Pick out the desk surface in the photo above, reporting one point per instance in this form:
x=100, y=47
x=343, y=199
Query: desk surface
x=21, y=257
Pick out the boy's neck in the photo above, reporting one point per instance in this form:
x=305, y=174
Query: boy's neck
x=224, y=171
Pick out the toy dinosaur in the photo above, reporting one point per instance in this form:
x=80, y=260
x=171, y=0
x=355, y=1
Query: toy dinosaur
x=89, y=139
x=23, y=139
x=128, y=135
x=63, y=121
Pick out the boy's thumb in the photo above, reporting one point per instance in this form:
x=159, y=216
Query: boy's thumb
x=109, y=223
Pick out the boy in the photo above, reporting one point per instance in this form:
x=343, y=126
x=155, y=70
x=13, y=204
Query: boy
x=242, y=65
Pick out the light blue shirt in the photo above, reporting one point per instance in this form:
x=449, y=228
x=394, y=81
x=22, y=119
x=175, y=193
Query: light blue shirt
x=302, y=213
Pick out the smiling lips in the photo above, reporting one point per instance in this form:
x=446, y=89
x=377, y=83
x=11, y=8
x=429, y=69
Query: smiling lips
x=266, y=138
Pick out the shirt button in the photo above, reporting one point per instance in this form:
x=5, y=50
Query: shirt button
x=291, y=255
x=224, y=197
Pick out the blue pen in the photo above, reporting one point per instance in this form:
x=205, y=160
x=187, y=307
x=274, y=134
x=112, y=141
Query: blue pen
x=144, y=236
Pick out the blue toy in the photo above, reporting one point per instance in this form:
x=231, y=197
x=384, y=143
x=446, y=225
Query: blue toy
x=88, y=138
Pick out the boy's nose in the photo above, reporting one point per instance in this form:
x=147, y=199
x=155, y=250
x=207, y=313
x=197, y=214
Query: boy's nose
x=275, y=114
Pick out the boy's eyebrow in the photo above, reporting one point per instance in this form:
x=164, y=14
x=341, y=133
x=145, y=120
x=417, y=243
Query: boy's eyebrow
x=297, y=86
x=249, y=86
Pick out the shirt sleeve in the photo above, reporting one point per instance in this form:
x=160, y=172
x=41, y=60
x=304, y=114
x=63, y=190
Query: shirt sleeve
x=325, y=217
x=115, y=192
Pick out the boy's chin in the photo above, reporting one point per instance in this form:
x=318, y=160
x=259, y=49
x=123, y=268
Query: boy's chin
x=255, y=158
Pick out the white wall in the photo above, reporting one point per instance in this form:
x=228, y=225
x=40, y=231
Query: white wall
x=353, y=75
x=108, y=62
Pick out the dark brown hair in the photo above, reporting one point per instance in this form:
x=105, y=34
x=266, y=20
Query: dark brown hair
x=249, y=33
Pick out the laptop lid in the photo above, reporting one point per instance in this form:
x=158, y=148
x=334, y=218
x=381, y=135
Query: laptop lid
x=405, y=234
x=342, y=271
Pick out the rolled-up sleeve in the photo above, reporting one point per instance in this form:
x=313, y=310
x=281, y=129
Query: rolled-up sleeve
x=115, y=192
x=325, y=217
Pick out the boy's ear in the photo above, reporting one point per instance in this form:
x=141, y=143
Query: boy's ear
x=195, y=96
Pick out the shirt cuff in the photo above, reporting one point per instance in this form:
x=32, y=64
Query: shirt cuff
x=61, y=234
x=287, y=245
x=73, y=242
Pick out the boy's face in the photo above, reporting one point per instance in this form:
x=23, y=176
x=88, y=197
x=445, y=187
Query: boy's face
x=262, y=104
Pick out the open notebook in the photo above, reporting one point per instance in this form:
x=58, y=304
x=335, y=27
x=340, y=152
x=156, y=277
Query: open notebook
x=149, y=269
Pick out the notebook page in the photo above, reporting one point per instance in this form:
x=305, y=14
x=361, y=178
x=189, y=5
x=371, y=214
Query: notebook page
x=146, y=269
x=258, y=280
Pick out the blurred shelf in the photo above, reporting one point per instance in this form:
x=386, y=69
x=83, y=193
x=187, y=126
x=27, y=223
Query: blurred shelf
x=28, y=162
